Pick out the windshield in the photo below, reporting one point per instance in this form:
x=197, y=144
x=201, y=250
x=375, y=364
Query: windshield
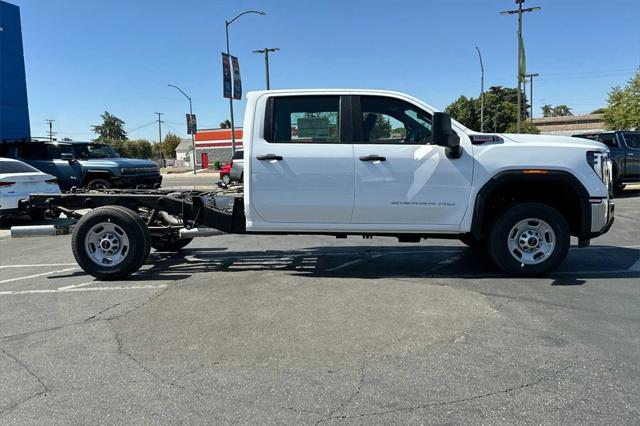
x=94, y=150
x=632, y=139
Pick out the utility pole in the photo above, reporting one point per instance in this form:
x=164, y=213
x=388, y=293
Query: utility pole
x=159, y=126
x=520, y=11
x=226, y=32
x=481, y=92
x=266, y=51
x=530, y=76
x=51, y=132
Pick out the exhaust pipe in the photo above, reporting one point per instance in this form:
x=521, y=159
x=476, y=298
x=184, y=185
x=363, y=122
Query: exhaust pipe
x=199, y=232
x=40, y=231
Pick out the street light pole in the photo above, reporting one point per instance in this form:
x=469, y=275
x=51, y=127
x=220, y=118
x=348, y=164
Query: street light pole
x=520, y=11
x=193, y=139
x=530, y=76
x=226, y=32
x=481, y=92
x=266, y=51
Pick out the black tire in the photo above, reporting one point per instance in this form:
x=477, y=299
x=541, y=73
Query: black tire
x=164, y=244
x=473, y=243
x=618, y=187
x=126, y=221
x=99, y=184
x=499, y=236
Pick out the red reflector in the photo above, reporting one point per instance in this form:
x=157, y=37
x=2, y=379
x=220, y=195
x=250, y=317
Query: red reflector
x=535, y=172
x=6, y=184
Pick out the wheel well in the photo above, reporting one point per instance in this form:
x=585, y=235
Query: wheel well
x=557, y=191
x=91, y=175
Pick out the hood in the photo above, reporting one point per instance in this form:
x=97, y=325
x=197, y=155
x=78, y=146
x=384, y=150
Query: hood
x=555, y=140
x=117, y=162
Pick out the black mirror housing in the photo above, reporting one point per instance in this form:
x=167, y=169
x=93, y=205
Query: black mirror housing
x=443, y=134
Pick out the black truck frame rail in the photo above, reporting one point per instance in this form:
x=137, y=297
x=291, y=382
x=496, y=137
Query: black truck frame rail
x=220, y=210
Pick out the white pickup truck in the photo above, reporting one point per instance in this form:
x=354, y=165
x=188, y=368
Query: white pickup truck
x=371, y=163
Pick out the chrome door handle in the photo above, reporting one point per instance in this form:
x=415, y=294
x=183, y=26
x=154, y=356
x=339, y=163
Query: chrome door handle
x=269, y=157
x=373, y=157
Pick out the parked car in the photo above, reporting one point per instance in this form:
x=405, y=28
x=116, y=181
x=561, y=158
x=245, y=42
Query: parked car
x=237, y=166
x=85, y=164
x=225, y=169
x=625, y=153
x=17, y=181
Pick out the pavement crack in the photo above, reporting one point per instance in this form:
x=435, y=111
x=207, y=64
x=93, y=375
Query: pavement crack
x=102, y=311
x=508, y=390
x=351, y=397
x=44, y=387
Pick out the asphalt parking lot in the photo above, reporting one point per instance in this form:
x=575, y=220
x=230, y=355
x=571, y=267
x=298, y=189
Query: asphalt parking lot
x=309, y=329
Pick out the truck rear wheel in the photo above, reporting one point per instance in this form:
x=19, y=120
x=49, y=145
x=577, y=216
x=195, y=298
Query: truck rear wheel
x=99, y=184
x=529, y=239
x=110, y=242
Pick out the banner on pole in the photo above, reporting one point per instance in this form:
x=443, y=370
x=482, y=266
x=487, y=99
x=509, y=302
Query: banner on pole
x=226, y=76
x=237, y=82
x=192, y=126
x=522, y=60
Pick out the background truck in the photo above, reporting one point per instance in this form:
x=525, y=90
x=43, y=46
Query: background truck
x=85, y=164
x=363, y=162
x=624, y=149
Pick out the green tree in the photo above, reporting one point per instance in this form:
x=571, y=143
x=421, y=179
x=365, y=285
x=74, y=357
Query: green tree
x=556, y=111
x=465, y=110
x=226, y=124
x=139, y=148
x=169, y=145
x=598, y=111
x=500, y=110
x=111, y=129
x=381, y=129
x=623, y=109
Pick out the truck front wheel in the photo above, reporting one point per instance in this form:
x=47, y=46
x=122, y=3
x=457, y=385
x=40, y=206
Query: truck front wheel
x=529, y=239
x=110, y=242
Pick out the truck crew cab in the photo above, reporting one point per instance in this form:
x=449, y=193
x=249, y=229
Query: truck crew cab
x=371, y=163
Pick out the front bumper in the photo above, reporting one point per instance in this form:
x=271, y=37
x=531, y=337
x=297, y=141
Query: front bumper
x=133, y=182
x=602, y=215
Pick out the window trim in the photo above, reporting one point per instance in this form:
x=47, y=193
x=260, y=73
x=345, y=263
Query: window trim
x=344, y=110
x=356, y=122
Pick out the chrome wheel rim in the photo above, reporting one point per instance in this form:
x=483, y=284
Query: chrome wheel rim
x=107, y=244
x=226, y=179
x=531, y=241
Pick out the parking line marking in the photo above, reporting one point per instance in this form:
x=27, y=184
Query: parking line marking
x=82, y=289
x=10, y=280
x=38, y=265
x=67, y=287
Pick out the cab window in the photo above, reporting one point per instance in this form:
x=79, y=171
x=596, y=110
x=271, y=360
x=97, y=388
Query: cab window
x=632, y=140
x=304, y=119
x=393, y=121
x=609, y=139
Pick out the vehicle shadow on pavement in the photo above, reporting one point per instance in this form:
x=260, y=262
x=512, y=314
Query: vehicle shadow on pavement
x=628, y=193
x=371, y=262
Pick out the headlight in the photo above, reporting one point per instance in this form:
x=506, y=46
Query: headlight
x=128, y=170
x=601, y=164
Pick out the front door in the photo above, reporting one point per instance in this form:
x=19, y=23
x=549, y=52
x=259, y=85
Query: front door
x=401, y=178
x=46, y=158
x=632, y=140
x=301, y=172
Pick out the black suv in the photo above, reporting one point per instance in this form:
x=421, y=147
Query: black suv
x=84, y=164
x=625, y=153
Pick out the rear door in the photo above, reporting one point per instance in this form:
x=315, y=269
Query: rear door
x=301, y=171
x=401, y=178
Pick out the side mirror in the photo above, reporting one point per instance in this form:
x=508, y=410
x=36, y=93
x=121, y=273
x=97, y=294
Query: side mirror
x=443, y=135
x=67, y=156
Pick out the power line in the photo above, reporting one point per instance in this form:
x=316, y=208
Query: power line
x=142, y=127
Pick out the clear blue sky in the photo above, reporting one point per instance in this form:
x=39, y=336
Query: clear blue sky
x=87, y=56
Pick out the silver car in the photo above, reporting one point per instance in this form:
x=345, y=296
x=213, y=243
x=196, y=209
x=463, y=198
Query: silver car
x=237, y=166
